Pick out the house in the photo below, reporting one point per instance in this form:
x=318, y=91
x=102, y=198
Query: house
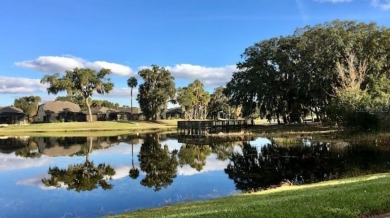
x=102, y=114
x=129, y=113
x=59, y=111
x=12, y=115
x=174, y=113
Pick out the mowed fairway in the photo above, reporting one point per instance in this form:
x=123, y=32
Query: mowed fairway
x=85, y=128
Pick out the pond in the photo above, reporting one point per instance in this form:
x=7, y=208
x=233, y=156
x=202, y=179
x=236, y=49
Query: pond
x=97, y=176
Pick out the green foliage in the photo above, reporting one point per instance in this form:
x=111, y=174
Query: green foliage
x=159, y=165
x=367, y=110
x=158, y=88
x=132, y=82
x=29, y=105
x=288, y=77
x=80, y=83
x=194, y=155
x=104, y=103
x=194, y=100
x=219, y=102
x=80, y=177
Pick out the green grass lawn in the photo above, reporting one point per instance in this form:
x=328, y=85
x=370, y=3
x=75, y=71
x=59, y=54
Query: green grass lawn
x=355, y=197
x=85, y=128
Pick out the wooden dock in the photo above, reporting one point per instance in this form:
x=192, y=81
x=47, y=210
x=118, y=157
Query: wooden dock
x=202, y=128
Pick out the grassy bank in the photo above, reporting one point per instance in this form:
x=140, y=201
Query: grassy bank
x=355, y=197
x=85, y=128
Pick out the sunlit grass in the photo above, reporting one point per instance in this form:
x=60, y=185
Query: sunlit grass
x=355, y=197
x=82, y=128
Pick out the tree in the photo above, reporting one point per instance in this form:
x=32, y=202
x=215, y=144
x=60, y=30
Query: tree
x=288, y=77
x=29, y=105
x=81, y=177
x=219, y=103
x=194, y=100
x=194, y=155
x=159, y=165
x=132, y=82
x=158, y=88
x=104, y=103
x=356, y=104
x=80, y=82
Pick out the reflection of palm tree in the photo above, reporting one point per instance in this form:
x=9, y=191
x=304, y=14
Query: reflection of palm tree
x=81, y=177
x=134, y=172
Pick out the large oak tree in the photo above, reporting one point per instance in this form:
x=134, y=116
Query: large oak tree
x=80, y=82
x=156, y=91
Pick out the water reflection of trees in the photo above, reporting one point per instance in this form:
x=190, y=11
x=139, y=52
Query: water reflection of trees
x=254, y=169
x=158, y=163
x=81, y=177
x=194, y=155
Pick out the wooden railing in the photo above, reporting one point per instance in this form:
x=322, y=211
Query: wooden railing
x=207, y=126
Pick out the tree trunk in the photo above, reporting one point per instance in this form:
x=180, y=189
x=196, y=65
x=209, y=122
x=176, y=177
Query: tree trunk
x=89, y=110
x=131, y=104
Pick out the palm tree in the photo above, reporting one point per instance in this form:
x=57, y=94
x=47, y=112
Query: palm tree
x=132, y=82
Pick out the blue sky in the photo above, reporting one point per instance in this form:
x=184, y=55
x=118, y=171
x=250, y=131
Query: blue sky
x=194, y=39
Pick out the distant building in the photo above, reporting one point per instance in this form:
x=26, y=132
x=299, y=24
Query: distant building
x=59, y=111
x=129, y=113
x=12, y=115
x=174, y=113
x=102, y=114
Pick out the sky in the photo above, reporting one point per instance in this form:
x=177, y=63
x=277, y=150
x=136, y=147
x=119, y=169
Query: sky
x=193, y=39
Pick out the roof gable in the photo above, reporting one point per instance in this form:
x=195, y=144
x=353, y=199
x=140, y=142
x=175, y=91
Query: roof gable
x=60, y=106
x=10, y=110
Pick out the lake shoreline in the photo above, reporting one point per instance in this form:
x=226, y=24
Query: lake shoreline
x=124, y=127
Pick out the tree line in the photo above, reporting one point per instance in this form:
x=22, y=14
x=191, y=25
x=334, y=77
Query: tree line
x=336, y=72
x=313, y=71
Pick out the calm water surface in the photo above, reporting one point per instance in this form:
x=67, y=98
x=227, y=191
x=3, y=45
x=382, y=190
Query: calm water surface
x=97, y=176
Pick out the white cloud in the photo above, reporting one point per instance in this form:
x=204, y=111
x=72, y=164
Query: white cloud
x=59, y=64
x=382, y=4
x=118, y=69
x=12, y=162
x=333, y=1
x=122, y=93
x=211, y=76
x=15, y=85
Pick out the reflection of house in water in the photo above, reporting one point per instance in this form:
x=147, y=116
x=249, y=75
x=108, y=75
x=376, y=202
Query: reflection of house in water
x=53, y=146
x=12, y=115
x=68, y=146
x=11, y=144
x=59, y=111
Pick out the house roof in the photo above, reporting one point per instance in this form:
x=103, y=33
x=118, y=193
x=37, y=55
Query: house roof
x=100, y=110
x=60, y=106
x=10, y=110
x=133, y=110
